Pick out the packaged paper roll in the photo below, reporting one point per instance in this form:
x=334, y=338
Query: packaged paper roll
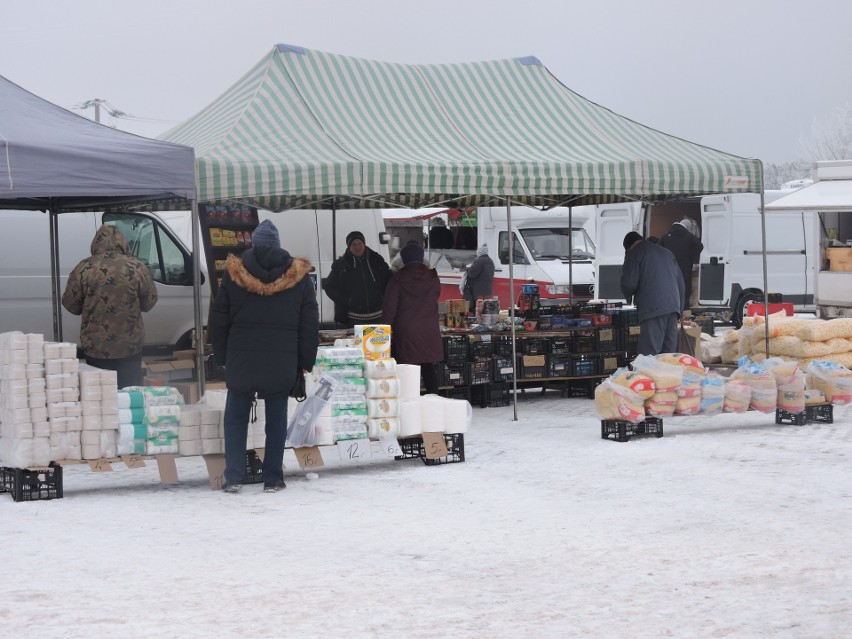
x=92, y=422
x=164, y=447
x=131, y=399
x=383, y=427
x=410, y=419
x=209, y=431
x=126, y=432
x=457, y=415
x=161, y=431
x=374, y=339
x=211, y=446
x=186, y=433
x=383, y=388
x=432, y=413
x=409, y=381
x=131, y=415
x=380, y=368
x=41, y=429
x=189, y=447
x=382, y=408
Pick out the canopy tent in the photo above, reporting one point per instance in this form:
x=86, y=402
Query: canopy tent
x=56, y=161
x=824, y=196
x=307, y=129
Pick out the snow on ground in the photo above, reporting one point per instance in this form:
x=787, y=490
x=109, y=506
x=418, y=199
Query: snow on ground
x=728, y=526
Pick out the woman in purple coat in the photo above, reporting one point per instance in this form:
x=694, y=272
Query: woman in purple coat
x=411, y=308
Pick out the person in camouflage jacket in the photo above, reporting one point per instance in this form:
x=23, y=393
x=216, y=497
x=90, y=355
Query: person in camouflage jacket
x=111, y=289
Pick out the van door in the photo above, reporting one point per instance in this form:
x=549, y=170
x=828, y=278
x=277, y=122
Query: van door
x=612, y=223
x=714, y=273
x=521, y=269
x=170, y=323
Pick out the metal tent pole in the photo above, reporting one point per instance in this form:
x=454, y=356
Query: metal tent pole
x=196, y=297
x=512, y=310
x=765, y=275
x=56, y=294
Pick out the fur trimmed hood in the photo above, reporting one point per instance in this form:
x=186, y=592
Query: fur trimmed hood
x=240, y=275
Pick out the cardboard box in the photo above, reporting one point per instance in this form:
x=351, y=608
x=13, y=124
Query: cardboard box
x=170, y=370
x=840, y=259
x=189, y=391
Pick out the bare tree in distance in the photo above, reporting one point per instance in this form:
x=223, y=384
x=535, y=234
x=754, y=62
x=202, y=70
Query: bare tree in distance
x=774, y=175
x=830, y=137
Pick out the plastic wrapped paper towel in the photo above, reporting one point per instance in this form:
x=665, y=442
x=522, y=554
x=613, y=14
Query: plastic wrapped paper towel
x=409, y=381
x=432, y=414
x=383, y=427
x=410, y=418
x=457, y=415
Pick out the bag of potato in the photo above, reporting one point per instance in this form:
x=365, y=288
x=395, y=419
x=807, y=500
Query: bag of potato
x=737, y=396
x=667, y=377
x=833, y=379
x=638, y=382
x=730, y=352
x=688, y=405
x=712, y=394
x=813, y=397
x=790, y=382
x=822, y=330
x=792, y=346
x=764, y=391
x=614, y=401
x=662, y=404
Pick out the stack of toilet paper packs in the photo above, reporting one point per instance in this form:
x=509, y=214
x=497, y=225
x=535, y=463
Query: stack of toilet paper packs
x=99, y=408
x=344, y=415
x=157, y=419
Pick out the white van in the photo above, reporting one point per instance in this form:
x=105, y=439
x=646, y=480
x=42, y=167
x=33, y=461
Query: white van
x=730, y=270
x=550, y=251
x=25, y=282
x=162, y=241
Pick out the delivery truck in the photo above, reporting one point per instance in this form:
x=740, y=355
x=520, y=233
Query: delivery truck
x=551, y=248
x=163, y=242
x=729, y=274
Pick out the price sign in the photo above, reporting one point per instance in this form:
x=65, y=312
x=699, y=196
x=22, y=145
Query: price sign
x=133, y=461
x=390, y=446
x=435, y=445
x=101, y=465
x=309, y=457
x=352, y=450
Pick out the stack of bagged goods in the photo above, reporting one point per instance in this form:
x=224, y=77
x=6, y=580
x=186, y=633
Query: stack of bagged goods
x=689, y=391
x=159, y=415
x=764, y=390
x=443, y=415
x=132, y=433
x=667, y=378
x=204, y=425
x=24, y=426
x=99, y=404
x=832, y=379
x=737, y=395
x=343, y=415
x=622, y=396
x=792, y=338
x=712, y=394
x=62, y=383
x=790, y=382
x=383, y=406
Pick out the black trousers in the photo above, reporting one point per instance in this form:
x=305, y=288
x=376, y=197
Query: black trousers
x=429, y=373
x=129, y=368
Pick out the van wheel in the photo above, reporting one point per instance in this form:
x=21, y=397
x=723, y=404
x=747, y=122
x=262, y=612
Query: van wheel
x=741, y=310
x=185, y=342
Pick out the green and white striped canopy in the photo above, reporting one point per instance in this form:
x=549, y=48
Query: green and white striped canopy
x=310, y=129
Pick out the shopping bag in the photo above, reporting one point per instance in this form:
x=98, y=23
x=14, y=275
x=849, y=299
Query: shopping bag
x=298, y=391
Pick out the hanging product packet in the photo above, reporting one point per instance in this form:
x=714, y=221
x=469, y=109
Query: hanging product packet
x=301, y=431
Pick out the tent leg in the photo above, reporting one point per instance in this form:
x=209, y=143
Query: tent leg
x=196, y=297
x=512, y=310
x=56, y=294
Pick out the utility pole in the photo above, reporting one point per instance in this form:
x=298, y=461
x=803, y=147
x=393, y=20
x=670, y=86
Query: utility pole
x=95, y=102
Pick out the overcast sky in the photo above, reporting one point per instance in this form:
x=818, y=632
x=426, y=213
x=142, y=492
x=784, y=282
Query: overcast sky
x=747, y=77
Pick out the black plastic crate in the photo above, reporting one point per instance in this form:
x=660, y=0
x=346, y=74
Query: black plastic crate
x=584, y=341
x=584, y=365
x=455, y=349
x=481, y=349
x=628, y=338
x=453, y=374
x=609, y=362
x=455, y=392
x=559, y=366
x=412, y=447
x=532, y=366
x=608, y=339
x=501, y=345
x=624, y=317
x=36, y=484
x=480, y=370
x=254, y=468
x=491, y=395
x=534, y=346
x=622, y=431
x=501, y=369
x=820, y=413
x=786, y=417
x=560, y=346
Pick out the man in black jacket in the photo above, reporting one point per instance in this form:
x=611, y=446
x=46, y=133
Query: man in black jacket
x=357, y=283
x=683, y=242
x=265, y=328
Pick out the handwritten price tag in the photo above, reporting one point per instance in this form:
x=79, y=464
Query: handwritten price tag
x=390, y=446
x=101, y=465
x=133, y=461
x=309, y=458
x=435, y=445
x=352, y=450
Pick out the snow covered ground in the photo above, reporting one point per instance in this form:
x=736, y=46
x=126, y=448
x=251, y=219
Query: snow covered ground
x=728, y=526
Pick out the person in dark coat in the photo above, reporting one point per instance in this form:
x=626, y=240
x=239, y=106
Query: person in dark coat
x=265, y=330
x=440, y=237
x=681, y=239
x=411, y=309
x=650, y=275
x=479, y=277
x=357, y=283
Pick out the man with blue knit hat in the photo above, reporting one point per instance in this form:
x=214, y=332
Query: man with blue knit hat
x=265, y=330
x=651, y=277
x=357, y=283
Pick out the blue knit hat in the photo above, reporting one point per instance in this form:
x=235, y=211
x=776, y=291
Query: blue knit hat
x=411, y=252
x=266, y=235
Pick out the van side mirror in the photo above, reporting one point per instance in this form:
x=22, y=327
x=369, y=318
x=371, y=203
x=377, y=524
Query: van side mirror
x=384, y=237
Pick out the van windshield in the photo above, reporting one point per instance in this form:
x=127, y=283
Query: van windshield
x=559, y=243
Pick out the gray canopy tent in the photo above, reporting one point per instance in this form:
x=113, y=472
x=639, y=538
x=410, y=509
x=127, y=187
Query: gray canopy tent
x=307, y=129
x=55, y=161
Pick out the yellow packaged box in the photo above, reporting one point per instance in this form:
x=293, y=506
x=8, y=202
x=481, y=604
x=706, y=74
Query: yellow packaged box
x=374, y=340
